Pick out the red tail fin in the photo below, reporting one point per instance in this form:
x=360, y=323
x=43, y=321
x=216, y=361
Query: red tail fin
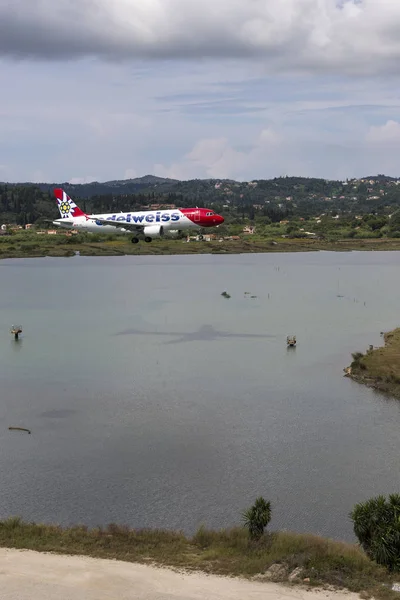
x=66, y=206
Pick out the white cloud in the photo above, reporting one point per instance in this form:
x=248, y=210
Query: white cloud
x=358, y=36
x=80, y=180
x=193, y=119
x=215, y=158
x=384, y=134
x=131, y=174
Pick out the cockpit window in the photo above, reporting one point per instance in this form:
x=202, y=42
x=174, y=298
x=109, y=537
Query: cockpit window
x=209, y=214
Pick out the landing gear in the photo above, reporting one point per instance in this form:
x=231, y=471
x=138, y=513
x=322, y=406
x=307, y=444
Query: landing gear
x=135, y=240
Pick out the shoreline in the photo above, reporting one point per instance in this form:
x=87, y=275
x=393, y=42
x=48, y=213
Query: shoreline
x=54, y=246
x=278, y=557
x=379, y=367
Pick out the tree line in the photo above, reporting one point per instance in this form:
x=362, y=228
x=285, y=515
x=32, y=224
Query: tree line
x=272, y=200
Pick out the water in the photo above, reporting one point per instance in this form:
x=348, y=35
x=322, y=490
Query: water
x=155, y=402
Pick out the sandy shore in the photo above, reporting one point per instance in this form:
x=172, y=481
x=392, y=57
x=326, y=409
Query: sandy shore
x=26, y=575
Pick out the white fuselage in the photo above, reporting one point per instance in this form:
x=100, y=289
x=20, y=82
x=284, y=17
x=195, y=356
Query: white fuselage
x=149, y=221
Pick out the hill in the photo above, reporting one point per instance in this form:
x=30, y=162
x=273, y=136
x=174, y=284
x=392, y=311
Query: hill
x=275, y=199
x=96, y=188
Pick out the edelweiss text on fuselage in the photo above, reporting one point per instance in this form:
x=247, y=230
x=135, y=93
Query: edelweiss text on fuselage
x=145, y=225
x=158, y=217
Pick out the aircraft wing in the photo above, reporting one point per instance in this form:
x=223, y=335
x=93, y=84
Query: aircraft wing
x=121, y=224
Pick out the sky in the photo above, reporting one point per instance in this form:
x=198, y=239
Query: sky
x=96, y=90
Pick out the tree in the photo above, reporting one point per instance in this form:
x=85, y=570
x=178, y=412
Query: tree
x=362, y=192
x=375, y=222
x=394, y=222
x=257, y=517
x=376, y=524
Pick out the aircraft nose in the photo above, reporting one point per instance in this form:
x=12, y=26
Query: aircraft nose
x=219, y=219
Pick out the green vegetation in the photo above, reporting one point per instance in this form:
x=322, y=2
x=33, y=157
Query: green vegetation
x=295, y=207
x=275, y=556
x=377, y=527
x=25, y=244
x=379, y=368
x=257, y=517
x=248, y=551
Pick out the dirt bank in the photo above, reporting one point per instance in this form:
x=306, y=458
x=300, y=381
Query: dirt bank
x=26, y=575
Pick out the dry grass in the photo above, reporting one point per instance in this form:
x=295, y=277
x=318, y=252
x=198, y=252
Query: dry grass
x=227, y=552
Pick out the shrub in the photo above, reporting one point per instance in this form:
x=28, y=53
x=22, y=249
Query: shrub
x=376, y=524
x=257, y=517
x=357, y=358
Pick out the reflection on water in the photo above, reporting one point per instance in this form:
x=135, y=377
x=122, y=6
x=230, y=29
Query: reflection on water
x=16, y=344
x=206, y=333
x=126, y=430
x=57, y=414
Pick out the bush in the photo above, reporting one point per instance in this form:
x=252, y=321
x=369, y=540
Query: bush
x=257, y=517
x=357, y=358
x=376, y=524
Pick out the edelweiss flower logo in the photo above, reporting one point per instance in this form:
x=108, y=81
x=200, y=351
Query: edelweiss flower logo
x=64, y=207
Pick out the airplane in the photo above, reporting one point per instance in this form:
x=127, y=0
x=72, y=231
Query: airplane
x=148, y=224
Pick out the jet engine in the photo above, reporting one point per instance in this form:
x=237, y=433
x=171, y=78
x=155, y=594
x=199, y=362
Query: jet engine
x=153, y=231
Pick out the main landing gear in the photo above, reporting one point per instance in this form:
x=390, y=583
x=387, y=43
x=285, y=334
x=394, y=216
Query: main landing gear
x=147, y=239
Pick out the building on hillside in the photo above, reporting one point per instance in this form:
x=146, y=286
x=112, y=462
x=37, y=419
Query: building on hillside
x=161, y=206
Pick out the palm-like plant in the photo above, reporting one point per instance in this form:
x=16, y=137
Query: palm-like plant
x=376, y=524
x=257, y=517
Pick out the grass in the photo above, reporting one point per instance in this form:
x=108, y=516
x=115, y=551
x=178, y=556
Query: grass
x=380, y=368
x=28, y=244
x=227, y=552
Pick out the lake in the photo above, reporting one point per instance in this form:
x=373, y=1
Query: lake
x=156, y=402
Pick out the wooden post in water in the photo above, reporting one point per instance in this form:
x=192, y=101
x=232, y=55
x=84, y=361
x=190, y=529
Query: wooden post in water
x=15, y=331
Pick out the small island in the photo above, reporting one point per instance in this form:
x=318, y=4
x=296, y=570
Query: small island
x=379, y=368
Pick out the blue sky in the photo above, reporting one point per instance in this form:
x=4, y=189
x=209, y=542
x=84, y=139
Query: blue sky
x=245, y=89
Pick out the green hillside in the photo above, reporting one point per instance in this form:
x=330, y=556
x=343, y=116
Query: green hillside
x=365, y=203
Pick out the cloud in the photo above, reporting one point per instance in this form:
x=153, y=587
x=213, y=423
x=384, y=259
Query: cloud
x=80, y=180
x=293, y=152
x=384, y=134
x=353, y=36
x=215, y=158
x=131, y=174
x=187, y=120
